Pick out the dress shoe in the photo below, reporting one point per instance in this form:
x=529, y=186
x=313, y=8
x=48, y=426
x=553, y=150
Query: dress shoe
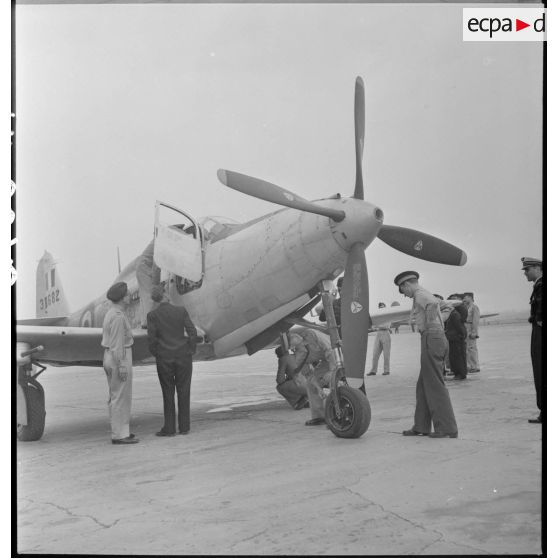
x=537, y=420
x=163, y=433
x=385, y=374
x=371, y=373
x=473, y=370
x=127, y=440
x=315, y=422
x=442, y=435
x=184, y=432
x=412, y=432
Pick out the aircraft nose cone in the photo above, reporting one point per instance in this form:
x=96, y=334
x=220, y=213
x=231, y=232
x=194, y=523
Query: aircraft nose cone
x=362, y=223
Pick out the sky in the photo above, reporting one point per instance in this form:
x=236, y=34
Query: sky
x=121, y=105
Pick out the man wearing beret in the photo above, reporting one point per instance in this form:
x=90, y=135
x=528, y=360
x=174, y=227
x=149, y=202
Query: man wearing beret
x=433, y=406
x=533, y=269
x=117, y=361
x=173, y=352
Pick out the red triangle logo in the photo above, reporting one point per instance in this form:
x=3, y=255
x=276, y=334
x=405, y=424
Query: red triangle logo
x=519, y=25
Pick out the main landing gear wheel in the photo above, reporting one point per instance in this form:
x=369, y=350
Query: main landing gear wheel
x=355, y=413
x=35, y=399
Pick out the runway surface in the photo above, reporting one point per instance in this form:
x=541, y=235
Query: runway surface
x=250, y=478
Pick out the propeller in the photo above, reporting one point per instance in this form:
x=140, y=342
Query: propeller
x=359, y=137
x=354, y=314
x=364, y=224
x=267, y=191
x=422, y=245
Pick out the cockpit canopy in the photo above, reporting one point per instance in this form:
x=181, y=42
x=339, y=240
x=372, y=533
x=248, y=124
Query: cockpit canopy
x=216, y=227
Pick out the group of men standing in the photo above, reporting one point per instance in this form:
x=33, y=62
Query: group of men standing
x=445, y=330
x=304, y=372
x=172, y=340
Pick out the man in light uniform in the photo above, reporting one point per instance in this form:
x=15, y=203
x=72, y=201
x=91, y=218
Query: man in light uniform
x=382, y=343
x=533, y=269
x=315, y=360
x=472, y=325
x=433, y=404
x=117, y=361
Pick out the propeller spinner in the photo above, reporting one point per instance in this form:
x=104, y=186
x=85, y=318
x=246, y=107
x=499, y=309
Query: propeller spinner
x=365, y=224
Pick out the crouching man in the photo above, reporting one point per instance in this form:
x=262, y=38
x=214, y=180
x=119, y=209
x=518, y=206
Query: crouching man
x=291, y=384
x=315, y=359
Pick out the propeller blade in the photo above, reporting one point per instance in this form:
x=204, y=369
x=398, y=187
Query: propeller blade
x=354, y=315
x=275, y=194
x=422, y=245
x=359, y=136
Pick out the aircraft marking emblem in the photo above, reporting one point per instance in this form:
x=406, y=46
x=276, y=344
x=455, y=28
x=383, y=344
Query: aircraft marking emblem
x=290, y=197
x=418, y=246
x=356, y=307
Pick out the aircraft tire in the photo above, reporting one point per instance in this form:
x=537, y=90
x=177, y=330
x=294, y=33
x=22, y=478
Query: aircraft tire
x=35, y=400
x=355, y=413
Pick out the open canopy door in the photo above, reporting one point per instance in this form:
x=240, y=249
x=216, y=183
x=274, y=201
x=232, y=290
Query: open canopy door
x=178, y=243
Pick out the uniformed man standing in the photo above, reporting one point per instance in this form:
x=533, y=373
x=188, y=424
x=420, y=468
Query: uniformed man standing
x=472, y=325
x=382, y=343
x=533, y=269
x=433, y=406
x=117, y=361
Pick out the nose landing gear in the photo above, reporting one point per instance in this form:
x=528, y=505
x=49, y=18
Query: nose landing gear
x=347, y=410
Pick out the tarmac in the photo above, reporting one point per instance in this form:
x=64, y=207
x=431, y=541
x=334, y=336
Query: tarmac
x=251, y=478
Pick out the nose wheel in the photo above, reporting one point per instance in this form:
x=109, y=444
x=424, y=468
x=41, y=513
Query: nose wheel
x=353, y=418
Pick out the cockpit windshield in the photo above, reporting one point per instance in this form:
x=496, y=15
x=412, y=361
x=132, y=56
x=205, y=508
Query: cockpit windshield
x=218, y=227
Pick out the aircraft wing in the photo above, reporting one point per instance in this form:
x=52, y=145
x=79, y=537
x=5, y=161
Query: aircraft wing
x=81, y=346
x=386, y=316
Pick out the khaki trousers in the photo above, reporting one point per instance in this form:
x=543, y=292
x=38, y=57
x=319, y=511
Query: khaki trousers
x=120, y=395
x=433, y=401
x=472, y=354
x=316, y=380
x=381, y=343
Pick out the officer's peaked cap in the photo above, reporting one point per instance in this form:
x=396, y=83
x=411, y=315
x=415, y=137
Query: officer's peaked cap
x=405, y=276
x=531, y=262
x=117, y=292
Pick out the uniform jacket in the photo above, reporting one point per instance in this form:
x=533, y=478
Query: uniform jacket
x=537, y=302
x=117, y=333
x=165, y=331
x=473, y=319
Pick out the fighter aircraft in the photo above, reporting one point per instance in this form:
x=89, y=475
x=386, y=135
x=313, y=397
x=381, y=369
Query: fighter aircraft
x=244, y=285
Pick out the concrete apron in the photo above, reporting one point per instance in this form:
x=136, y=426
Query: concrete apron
x=250, y=478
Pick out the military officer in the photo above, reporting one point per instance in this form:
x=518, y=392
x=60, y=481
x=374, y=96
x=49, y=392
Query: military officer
x=472, y=326
x=533, y=269
x=382, y=343
x=433, y=405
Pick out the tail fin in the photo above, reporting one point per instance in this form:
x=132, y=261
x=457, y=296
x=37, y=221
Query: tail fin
x=51, y=300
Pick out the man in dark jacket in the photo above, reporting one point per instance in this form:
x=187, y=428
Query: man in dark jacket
x=533, y=269
x=456, y=334
x=173, y=351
